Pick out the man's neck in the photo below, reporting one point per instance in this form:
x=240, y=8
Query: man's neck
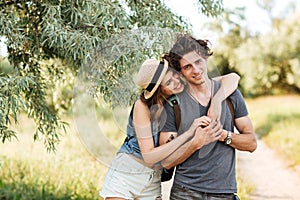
x=201, y=93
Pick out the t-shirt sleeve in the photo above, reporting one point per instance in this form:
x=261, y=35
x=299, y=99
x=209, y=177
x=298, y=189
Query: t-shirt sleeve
x=239, y=105
x=170, y=122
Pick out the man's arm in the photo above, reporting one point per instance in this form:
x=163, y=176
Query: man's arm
x=202, y=136
x=245, y=140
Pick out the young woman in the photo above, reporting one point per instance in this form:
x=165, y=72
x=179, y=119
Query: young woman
x=135, y=172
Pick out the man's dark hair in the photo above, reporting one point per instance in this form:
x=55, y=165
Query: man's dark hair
x=184, y=44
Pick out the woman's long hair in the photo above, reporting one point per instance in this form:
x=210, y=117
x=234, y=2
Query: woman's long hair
x=155, y=103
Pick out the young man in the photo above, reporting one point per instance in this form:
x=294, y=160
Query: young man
x=206, y=169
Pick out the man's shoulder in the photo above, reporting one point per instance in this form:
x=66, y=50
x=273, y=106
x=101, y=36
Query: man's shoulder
x=236, y=94
x=239, y=104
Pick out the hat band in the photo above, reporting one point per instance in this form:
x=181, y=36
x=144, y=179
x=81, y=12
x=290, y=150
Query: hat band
x=155, y=77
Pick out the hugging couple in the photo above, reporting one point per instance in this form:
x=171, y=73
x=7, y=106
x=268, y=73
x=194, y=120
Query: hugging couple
x=202, y=144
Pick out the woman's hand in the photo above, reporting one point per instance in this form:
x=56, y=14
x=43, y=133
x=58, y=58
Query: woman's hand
x=200, y=122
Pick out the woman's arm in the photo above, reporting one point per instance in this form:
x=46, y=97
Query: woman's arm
x=202, y=136
x=229, y=84
x=151, y=154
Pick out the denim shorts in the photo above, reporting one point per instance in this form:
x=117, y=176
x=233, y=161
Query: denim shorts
x=127, y=178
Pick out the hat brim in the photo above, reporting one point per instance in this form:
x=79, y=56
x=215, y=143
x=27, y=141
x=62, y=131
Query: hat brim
x=148, y=94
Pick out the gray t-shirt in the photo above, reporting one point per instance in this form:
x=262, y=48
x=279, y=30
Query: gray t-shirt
x=210, y=169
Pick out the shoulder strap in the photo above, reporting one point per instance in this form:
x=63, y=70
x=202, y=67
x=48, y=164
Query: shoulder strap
x=177, y=113
x=174, y=101
x=229, y=103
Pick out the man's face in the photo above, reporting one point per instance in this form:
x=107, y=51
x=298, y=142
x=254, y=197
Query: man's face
x=193, y=68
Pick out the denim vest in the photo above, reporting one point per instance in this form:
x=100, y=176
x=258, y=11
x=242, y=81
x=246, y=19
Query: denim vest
x=130, y=144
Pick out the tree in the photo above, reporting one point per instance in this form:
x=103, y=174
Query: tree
x=39, y=32
x=270, y=62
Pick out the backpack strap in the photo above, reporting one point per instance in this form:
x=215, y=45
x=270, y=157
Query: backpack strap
x=174, y=102
x=229, y=103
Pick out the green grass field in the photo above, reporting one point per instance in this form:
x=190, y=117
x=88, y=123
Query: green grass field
x=28, y=171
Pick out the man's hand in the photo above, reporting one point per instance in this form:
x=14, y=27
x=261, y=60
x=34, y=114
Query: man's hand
x=210, y=133
x=223, y=135
x=200, y=122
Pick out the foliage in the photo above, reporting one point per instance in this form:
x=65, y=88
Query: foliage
x=211, y=7
x=5, y=67
x=270, y=62
x=71, y=32
x=231, y=33
x=245, y=188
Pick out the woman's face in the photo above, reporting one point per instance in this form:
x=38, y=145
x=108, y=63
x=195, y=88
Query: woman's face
x=171, y=83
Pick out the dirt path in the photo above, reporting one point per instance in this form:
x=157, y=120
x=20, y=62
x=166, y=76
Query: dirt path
x=270, y=175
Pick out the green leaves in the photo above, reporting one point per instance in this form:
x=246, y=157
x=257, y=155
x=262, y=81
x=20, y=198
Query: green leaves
x=211, y=8
x=11, y=102
x=113, y=65
x=71, y=32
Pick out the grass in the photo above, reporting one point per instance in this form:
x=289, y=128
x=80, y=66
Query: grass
x=277, y=122
x=244, y=188
x=28, y=171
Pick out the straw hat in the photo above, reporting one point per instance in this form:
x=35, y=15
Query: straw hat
x=150, y=76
